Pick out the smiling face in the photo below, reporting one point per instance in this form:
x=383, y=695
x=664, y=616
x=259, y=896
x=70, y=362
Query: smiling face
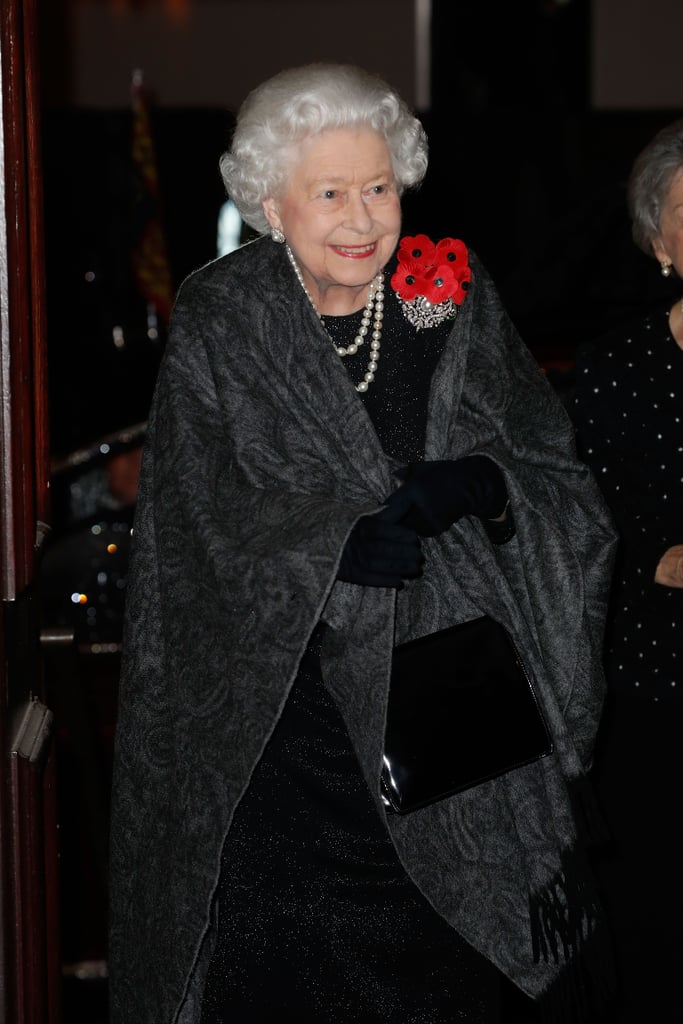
x=341, y=215
x=668, y=248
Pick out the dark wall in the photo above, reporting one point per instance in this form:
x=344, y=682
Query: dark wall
x=91, y=219
x=531, y=175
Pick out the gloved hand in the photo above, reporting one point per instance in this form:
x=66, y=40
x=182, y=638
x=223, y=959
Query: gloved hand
x=381, y=553
x=436, y=494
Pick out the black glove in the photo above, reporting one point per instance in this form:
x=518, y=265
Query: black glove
x=381, y=553
x=435, y=495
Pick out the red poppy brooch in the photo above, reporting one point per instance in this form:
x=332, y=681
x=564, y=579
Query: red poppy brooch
x=431, y=279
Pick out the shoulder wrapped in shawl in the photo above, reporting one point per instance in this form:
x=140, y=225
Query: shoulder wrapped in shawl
x=259, y=459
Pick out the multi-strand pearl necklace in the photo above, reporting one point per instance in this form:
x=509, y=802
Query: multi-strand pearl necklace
x=375, y=305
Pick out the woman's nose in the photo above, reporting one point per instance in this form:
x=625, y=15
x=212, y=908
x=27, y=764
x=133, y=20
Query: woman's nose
x=357, y=214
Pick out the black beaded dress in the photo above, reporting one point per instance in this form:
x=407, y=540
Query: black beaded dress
x=317, y=919
x=628, y=411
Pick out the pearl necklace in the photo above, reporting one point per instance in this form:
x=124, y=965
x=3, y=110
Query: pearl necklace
x=375, y=304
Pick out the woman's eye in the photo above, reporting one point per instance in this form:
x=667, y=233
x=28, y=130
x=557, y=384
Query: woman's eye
x=377, y=191
x=330, y=193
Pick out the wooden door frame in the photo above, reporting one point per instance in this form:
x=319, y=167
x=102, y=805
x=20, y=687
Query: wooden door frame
x=29, y=956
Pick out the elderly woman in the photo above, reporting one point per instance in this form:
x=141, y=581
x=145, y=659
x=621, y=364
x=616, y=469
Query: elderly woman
x=349, y=447
x=627, y=410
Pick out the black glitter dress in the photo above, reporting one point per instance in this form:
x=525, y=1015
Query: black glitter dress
x=318, y=921
x=628, y=410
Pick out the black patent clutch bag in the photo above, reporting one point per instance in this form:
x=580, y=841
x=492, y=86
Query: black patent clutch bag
x=462, y=710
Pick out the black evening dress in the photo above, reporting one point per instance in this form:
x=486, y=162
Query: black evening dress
x=317, y=919
x=628, y=411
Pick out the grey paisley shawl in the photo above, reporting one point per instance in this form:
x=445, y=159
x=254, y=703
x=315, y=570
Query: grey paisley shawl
x=260, y=457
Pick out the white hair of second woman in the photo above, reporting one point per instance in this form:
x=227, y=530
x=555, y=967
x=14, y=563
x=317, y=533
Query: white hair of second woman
x=650, y=181
x=299, y=103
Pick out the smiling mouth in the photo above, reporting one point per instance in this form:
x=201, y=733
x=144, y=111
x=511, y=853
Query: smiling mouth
x=355, y=251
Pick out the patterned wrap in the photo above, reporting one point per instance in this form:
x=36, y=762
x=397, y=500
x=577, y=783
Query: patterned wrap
x=259, y=458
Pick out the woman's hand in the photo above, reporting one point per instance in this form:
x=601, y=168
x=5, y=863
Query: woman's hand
x=669, y=571
x=381, y=553
x=436, y=494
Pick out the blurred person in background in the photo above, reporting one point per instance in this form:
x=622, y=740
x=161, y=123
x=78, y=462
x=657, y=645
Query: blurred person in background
x=628, y=411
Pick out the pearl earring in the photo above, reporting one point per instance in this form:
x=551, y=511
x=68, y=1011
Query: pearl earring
x=666, y=270
x=277, y=235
